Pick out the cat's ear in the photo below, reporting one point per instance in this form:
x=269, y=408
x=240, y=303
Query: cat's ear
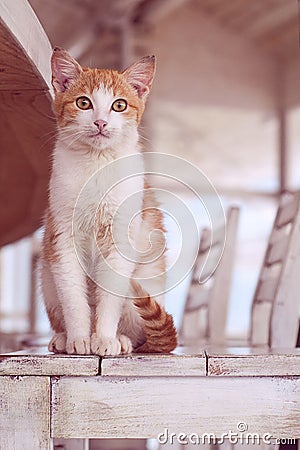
x=140, y=75
x=64, y=69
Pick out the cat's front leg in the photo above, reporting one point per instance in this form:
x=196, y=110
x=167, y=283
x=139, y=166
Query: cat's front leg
x=70, y=281
x=105, y=340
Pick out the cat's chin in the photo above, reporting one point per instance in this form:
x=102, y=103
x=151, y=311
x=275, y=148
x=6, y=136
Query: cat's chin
x=100, y=141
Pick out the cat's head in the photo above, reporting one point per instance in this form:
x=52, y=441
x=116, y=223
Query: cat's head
x=99, y=107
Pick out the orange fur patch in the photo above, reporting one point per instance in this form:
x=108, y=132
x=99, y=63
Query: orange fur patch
x=50, y=252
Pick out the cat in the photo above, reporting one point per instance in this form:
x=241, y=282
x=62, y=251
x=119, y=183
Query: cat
x=98, y=112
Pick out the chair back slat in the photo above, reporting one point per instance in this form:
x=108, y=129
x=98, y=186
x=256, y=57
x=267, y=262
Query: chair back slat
x=266, y=290
x=277, y=250
x=274, y=320
x=205, y=312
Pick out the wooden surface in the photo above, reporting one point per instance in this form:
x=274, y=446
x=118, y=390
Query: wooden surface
x=155, y=365
x=25, y=413
x=253, y=362
x=41, y=362
x=143, y=407
x=139, y=396
x=27, y=126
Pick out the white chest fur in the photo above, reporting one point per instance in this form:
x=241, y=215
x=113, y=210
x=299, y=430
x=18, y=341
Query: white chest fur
x=89, y=187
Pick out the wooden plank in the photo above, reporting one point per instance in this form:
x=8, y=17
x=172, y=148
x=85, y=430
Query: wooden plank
x=23, y=43
x=220, y=292
x=40, y=362
x=267, y=290
x=108, y=407
x=155, y=365
x=275, y=305
x=253, y=362
x=27, y=128
x=287, y=212
x=198, y=296
x=210, y=262
x=277, y=250
x=194, y=325
x=25, y=413
x=260, y=323
x=27, y=133
x=285, y=315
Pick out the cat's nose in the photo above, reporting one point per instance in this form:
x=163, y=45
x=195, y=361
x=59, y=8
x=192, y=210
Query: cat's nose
x=101, y=124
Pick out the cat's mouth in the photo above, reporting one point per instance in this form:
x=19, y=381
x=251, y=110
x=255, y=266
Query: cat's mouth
x=105, y=134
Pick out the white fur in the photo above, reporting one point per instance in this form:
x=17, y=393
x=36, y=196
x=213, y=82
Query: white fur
x=77, y=157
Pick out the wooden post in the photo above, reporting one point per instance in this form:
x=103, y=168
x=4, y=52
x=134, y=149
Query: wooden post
x=283, y=149
x=25, y=413
x=282, y=129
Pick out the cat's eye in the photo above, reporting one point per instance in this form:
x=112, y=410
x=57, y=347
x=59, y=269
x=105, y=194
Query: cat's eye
x=119, y=105
x=84, y=103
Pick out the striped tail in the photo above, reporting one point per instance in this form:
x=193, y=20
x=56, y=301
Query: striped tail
x=159, y=329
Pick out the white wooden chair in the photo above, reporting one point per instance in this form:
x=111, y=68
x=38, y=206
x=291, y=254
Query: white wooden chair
x=275, y=308
x=206, y=307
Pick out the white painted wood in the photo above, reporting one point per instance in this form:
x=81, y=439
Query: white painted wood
x=278, y=250
x=261, y=316
x=254, y=362
x=194, y=325
x=287, y=211
x=285, y=316
x=144, y=407
x=41, y=362
x=220, y=292
x=25, y=413
x=275, y=309
x=267, y=290
x=206, y=307
x=155, y=365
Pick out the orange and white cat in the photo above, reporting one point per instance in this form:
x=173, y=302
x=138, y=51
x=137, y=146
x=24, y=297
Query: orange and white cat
x=98, y=113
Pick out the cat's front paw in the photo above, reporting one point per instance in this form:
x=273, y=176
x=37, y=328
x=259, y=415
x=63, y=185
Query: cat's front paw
x=58, y=343
x=80, y=345
x=126, y=344
x=104, y=346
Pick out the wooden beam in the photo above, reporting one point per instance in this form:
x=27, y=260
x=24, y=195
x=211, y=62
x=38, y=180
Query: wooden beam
x=107, y=407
